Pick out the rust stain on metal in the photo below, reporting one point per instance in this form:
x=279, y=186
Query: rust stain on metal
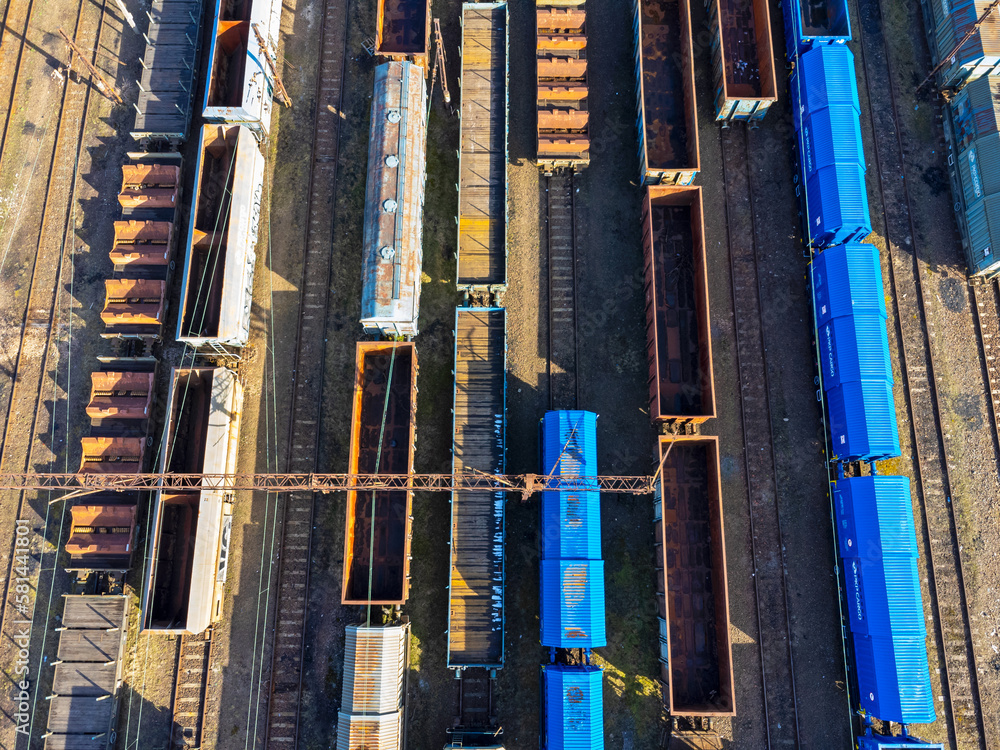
x=120, y=395
x=404, y=30
x=133, y=302
x=142, y=243
x=679, y=339
x=112, y=455
x=670, y=120
x=692, y=588
x=378, y=528
x=563, y=135
x=149, y=186
x=394, y=201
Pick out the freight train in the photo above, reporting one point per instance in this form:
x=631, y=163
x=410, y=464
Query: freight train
x=572, y=583
x=884, y=630
x=964, y=41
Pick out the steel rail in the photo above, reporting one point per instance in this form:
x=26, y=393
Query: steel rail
x=563, y=348
x=934, y=487
x=760, y=466
x=54, y=232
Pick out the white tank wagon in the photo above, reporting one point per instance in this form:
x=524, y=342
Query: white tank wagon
x=185, y=569
x=217, y=285
x=239, y=87
x=394, y=201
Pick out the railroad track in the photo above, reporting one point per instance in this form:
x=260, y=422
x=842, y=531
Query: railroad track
x=190, y=690
x=285, y=687
x=24, y=404
x=770, y=587
x=986, y=309
x=952, y=622
x=13, y=33
x=560, y=222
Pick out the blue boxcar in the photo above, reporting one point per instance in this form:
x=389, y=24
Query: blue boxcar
x=569, y=444
x=872, y=741
x=571, y=525
x=825, y=113
x=854, y=347
x=574, y=707
x=811, y=24
x=572, y=604
x=878, y=545
x=847, y=279
x=863, y=421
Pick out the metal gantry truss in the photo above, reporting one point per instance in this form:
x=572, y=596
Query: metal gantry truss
x=523, y=484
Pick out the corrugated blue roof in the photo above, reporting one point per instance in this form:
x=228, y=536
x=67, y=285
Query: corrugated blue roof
x=878, y=546
x=847, y=279
x=873, y=741
x=854, y=347
x=874, y=513
x=824, y=76
x=863, y=421
x=893, y=679
x=825, y=112
x=572, y=603
x=574, y=707
x=569, y=444
x=838, y=205
x=802, y=24
x=832, y=135
x=571, y=525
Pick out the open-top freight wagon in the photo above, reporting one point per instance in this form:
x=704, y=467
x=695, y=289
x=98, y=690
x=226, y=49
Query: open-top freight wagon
x=693, y=595
x=742, y=59
x=383, y=432
x=477, y=582
x=186, y=571
x=563, y=110
x=482, y=156
x=240, y=87
x=814, y=23
x=217, y=284
x=678, y=332
x=666, y=109
x=403, y=31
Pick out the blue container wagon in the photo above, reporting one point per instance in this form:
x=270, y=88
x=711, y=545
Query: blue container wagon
x=862, y=421
x=825, y=114
x=878, y=546
x=847, y=280
x=572, y=707
x=572, y=604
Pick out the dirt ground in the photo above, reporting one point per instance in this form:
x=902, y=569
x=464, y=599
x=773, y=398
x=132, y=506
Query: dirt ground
x=612, y=383
x=965, y=411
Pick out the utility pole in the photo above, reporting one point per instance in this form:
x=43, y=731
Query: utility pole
x=968, y=35
x=440, y=62
x=106, y=88
x=265, y=50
